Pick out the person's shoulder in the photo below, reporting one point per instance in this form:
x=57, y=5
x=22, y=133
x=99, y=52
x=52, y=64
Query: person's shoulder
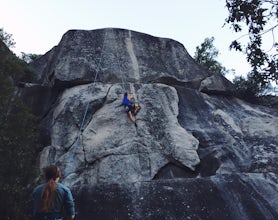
x=62, y=187
x=39, y=187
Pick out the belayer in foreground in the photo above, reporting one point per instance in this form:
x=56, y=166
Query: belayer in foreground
x=53, y=200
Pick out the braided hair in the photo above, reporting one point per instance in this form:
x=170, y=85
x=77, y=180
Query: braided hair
x=51, y=173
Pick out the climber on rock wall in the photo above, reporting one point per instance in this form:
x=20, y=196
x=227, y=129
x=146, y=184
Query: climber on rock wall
x=130, y=107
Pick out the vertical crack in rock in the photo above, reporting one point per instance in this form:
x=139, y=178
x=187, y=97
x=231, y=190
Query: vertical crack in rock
x=103, y=101
x=133, y=58
x=84, y=152
x=96, y=107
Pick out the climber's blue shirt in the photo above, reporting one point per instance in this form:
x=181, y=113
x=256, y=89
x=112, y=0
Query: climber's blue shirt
x=126, y=101
x=63, y=200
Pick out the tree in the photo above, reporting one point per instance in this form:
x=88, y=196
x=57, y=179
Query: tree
x=248, y=88
x=260, y=17
x=29, y=57
x=206, y=55
x=19, y=140
x=6, y=38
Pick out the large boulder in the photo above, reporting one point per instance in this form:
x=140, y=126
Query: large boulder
x=198, y=152
x=110, y=147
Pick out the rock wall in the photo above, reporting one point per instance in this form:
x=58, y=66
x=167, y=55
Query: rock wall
x=198, y=152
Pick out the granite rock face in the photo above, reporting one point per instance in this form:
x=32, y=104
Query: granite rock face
x=122, y=56
x=198, y=152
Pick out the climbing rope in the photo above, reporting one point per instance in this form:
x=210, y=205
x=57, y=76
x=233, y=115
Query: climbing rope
x=79, y=136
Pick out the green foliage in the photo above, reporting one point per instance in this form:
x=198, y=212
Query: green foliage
x=19, y=140
x=6, y=38
x=254, y=92
x=260, y=17
x=206, y=55
x=12, y=66
x=247, y=88
x=29, y=57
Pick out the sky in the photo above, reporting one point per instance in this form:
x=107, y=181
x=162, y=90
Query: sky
x=38, y=25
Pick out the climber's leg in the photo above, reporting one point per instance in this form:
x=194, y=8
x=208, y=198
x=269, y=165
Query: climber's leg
x=130, y=112
x=131, y=117
x=137, y=109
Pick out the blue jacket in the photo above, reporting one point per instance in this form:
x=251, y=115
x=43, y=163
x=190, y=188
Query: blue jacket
x=126, y=101
x=63, y=200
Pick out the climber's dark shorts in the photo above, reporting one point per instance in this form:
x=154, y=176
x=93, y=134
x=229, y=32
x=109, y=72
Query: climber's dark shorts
x=130, y=108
